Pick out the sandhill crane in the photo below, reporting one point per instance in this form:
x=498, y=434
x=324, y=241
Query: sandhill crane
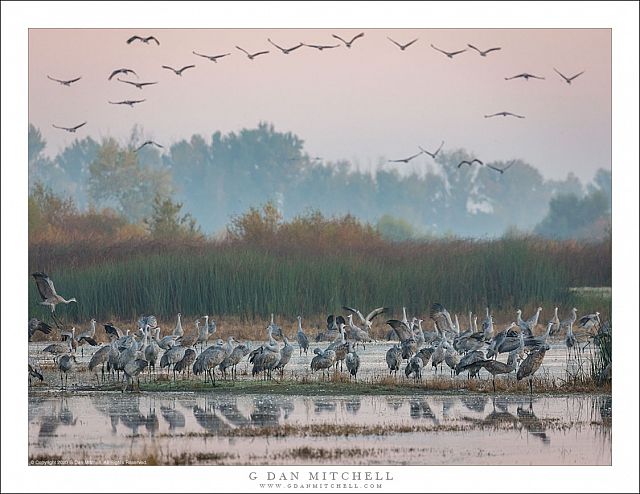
x=122, y=71
x=147, y=143
x=470, y=163
x=266, y=357
x=321, y=47
x=303, y=341
x=275, y=329
x=495, y=367
x=180, y=70
x=570, y=319
x=523, y=325
x=358, y=334
x=129, y=102
x=483, y=53
x=152, y=351
x=394, y=358
x=568, y=79
x=452, y=359
x=405, y=160
x=340, y=346
x=34, y=370
x=233, y=359
x=504, y=114
x=72, y=130
x=531, y=364
x=171, y=357
x=285, y=355
x=186, y=362
x=353, y=361
x=449, y=54
x=414, y=366
x=252, y=55
x=211, y=326
x=132, y=370
x=48, y=293
x=348, y=43
x=504, y=341
x=323, y=360
x=178, y=330
x=408, y=343
x=145, y=40
x=570, y=339
x=64, y=82
x=589, y=321
x=404, y=46
x=88, y=336
x=435, y=153
x=500, y=170
x=65, y=364
x=100, y=357
x=111, y=330
x=532, y=322
x=367, y=321
x=139, y=85
x=209, y=359
x=36, y=324
x=438, y=356
x=537, y=341
x=285, y=51
x=213, y=58
x=442, y=320
x=471, y=362
x=526, y=76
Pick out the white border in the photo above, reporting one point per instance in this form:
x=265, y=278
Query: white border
x=621, y=16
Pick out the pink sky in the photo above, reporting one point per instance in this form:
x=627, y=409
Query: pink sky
x=366, y=104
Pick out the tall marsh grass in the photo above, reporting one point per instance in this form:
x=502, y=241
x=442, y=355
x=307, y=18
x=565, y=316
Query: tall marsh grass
x=123, y=279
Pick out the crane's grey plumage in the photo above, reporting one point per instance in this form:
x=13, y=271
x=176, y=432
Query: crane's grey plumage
x=449, y=54
x=145, y=40
x=405, y=160
x=321, y=47
x=180, y=70
x=285, y=355
x=568, y=79
x=483, y=53
x=357, y=334
x=353, y=361
x=500, y=170
x=139, y=85
x=122, y=71
x=470, y=163
x=504, y=114
x=34, y=370
x=350, y=42
x=495, y=367
x=589, y=321
x=70, y=129
x=402, y=46
x=36, y=324
x=100, y=357
x=129, y=102
x=286, y=51
x=323, y=360
x=65, y=364
x=525, y=75
x=368, y=320
x=531, y=364
x=442, y=320
x=172, y=356
x=133, y=368
x=49, y=295
x=435, y=153
x=303, y=340
x=64, y=82
x=209, y=359
x=213, y=58
x=394, y=359
x=252, y=55
x=555, y=320
x=185, y=363
x=414, y=366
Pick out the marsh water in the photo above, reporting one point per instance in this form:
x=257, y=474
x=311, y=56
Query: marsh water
x=215, y=427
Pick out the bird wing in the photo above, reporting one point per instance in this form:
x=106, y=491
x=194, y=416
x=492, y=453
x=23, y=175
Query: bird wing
x=492, y=49
x=493, y=115
x=476, y=160
x=170, y=68
x=133, y=38
x=260, y=53
x=58, y=127
x=561, y=74
x=338, y=37
x=355, y=311
x=453, y=53
x=579, y=73
x=438, y=150
x=356, y=37
x=143, y=145
x=80, y=125
x=441, y=317
x=401, y=329
x=394, y=42
x=498, y=170
x=186, y=67
x=115, y=72
x=242, y=50
x=154, y=39
x=73, y=80
x=476, y=49
x=89, y=340
x=53, y=79
x=128, y=82
x=585, y=319
x=204, y=56
x=463, y=162
x=436, y=48
x=410, y=43
x=414, y=156
x=376, y=312
x=278, y=47
x=44, y=285
x=340, y=320
x=514, y=115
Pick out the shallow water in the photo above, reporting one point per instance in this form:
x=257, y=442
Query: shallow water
x=220, y=428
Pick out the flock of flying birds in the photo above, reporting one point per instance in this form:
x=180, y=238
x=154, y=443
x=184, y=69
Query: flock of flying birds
x=287, y=50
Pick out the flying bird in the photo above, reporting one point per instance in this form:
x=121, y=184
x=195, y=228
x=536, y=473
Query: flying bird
x=48, y=293
x=450, y=54
x=122, y=71
x=252, y=55
x=348, y=43
x=401, y=46
x=474, y=160
x=435, y=153
x=568, y=79
x=129, y=102
x=70, y=129
x=139, y=85
x=484, y=53
x=321, y=47
x=178, y=71
x=144, y=40
x=406, y=160
x=213, y=58
x=526, y=76
x=65, y=83
x=286, y=51
x=504, y=114
x=153, y=143
x=501, y=170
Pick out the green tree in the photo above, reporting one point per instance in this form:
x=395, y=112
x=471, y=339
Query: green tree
x=118, y=180
x=395, y=229
x=572, y=217
x=165, y=220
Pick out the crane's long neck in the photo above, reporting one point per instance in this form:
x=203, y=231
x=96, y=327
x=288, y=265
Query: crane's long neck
x=404, y=315
x=271, y=340
x=299, y=324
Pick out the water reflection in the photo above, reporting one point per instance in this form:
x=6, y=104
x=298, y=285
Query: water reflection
x=208, y=419
x=265, y=413
x=175, y=418
x=352, y=405
x=419, y=408
x=324, y=405
x=474, y=403
x=532, y=424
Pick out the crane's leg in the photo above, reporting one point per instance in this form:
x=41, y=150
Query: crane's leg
x=531, y=386
x=494, y=384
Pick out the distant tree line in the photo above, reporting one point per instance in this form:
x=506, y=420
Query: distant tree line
x=198, y=186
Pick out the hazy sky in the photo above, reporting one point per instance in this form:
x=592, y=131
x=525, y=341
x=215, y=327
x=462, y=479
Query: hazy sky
x=366, y=104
